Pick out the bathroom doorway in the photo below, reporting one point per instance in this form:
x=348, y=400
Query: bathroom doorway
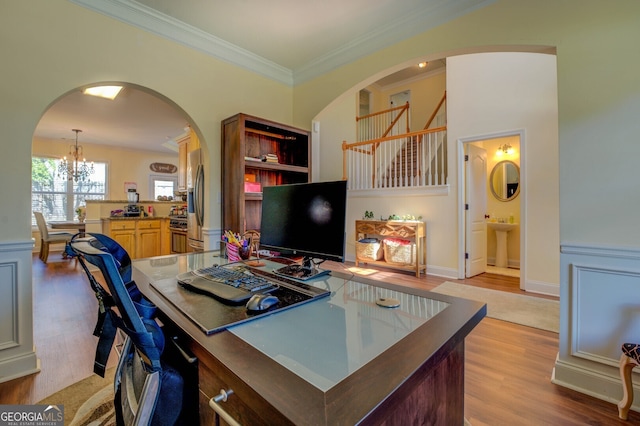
x=502, y=193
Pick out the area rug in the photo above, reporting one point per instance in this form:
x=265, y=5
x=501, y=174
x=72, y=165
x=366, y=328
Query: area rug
x=520, y=309
x=88, y=402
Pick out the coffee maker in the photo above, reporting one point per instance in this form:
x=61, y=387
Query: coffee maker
x=132, y=209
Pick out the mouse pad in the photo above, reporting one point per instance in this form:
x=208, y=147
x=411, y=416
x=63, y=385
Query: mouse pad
x=211, y=315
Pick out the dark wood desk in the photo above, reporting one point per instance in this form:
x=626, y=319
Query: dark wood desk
x=416, y=377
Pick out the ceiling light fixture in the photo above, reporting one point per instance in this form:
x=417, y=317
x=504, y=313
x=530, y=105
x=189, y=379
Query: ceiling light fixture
x=108, y=92
x=505, y=149
x=76, y=170
x=423, y=64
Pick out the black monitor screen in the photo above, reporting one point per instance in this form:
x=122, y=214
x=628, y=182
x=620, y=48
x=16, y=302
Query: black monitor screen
x=306, y=219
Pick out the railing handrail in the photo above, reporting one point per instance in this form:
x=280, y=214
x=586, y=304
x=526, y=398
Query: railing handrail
x=383, y=121
x=373, y=114
x=346, y=146
x=372, y=147
x=435, y=111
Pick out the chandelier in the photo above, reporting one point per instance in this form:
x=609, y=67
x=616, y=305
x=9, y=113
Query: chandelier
x=75, y=168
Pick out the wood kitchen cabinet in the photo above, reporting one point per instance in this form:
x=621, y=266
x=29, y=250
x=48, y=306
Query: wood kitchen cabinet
x=148, y=238
x=186, y=144
x=123, y=232
x=246, y=141
x=182, y=164
x=139, y=237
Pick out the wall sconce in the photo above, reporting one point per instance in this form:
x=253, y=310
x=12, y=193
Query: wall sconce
x=505, y=149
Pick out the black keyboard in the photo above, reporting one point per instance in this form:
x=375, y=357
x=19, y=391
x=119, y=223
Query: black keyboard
x=227, y=285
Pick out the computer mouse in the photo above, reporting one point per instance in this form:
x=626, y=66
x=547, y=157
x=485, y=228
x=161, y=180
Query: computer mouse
x=261, y=302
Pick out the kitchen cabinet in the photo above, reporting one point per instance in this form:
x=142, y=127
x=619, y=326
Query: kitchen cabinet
x=247, y=142
x=124, y=233
x=187, y=143
x=412, y=230
x=165, y=237
x=182, y=164
x=139, y=237
x=148, y=238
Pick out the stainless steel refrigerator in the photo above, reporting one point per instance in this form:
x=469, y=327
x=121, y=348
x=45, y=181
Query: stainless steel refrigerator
x=195, y=200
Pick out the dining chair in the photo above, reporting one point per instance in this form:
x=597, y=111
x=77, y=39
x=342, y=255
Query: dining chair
x=48, y=237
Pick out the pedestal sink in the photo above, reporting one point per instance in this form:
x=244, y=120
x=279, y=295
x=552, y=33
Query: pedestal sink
x=501, y=229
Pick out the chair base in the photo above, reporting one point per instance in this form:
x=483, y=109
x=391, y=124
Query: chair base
x=626, y=366
x=44, y=251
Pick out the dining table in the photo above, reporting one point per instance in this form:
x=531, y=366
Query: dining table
x=67, y=224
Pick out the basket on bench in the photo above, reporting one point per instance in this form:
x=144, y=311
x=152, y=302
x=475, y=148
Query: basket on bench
x=369, y=249
x=399, y=251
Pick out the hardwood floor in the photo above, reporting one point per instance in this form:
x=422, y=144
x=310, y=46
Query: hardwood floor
x=508, y=366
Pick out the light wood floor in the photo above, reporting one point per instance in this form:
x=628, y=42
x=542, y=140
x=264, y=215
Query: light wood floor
x=508, y=366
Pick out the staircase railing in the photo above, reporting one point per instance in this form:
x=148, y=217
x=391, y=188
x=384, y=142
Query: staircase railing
x=415, y=159
x=384, y=123
x=439, y=114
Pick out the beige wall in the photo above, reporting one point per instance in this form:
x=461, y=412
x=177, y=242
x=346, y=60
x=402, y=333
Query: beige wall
x=51, y=47
x=425, y=96
x=123, y=165
x=590, y=112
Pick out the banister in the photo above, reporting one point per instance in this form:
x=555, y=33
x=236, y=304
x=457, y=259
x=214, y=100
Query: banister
x=435, y=111
x=386, y=111
x=350, y=146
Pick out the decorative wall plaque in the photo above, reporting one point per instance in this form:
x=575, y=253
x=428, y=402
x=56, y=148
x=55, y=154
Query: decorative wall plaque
x=163, y=168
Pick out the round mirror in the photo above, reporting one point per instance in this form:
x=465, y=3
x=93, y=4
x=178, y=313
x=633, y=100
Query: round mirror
x=505, y=180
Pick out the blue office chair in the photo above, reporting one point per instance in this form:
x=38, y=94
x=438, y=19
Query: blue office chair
x=147, y=391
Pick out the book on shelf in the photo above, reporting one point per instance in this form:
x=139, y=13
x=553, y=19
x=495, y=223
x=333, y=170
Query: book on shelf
x=270, y=158
x=246, y=158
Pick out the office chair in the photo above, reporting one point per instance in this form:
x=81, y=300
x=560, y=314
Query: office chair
x=147, y=390
x=48, y=237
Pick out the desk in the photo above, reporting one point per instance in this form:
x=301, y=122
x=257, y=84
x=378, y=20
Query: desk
x=80, y=226
x=341, y=359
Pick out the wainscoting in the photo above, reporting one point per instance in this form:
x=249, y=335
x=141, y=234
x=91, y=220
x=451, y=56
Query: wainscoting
x=17, y=355
x=599, y=310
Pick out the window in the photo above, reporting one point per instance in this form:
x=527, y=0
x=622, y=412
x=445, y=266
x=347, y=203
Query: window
x=58, y=198
x=162, y=186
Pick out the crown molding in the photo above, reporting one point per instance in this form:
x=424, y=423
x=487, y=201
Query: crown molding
x=387, y=35
x=144, y=17
x=141, y=16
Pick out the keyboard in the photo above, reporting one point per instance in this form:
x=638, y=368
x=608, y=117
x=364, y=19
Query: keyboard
x=227, y=285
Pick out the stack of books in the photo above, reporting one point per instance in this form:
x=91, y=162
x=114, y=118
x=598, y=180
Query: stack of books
x=270, y=158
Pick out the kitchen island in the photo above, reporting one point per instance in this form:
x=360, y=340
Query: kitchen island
x=341, y=359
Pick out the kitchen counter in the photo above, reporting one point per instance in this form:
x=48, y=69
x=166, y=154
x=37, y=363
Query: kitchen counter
x=134, y=218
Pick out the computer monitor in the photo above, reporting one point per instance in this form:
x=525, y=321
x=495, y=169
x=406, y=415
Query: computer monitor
x=306, y=219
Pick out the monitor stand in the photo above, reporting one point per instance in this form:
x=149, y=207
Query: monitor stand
x=303, y=272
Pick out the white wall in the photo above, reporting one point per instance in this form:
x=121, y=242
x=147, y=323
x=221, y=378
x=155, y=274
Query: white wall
x=493, y=93
x=486, y=94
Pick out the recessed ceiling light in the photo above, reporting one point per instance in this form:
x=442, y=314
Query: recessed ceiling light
x=108, y=92
x=422, y=64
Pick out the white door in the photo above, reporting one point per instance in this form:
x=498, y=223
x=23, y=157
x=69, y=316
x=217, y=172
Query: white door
x=476, y=208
